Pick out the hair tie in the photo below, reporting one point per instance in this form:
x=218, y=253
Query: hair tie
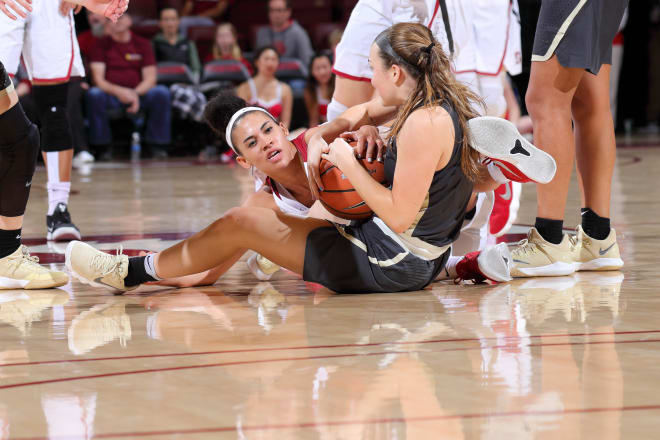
x=428, y=48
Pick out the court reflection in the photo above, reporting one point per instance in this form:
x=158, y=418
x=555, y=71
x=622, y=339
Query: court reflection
x=523, y=359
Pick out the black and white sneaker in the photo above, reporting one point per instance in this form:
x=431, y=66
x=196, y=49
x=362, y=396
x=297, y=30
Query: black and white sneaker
x=60, y=226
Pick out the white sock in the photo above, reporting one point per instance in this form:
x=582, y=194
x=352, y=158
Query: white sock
x=449, y=271
x=496, y=173
x=58, y=192
x=150, y=266
x=335, y=108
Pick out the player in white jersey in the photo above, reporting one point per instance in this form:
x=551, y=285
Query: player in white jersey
x=42, y=33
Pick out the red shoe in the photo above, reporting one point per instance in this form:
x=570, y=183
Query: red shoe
x=500, y=142
x=505, y=209
x=492, y=264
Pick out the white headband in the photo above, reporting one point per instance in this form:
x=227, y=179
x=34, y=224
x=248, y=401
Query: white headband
x=235, y=117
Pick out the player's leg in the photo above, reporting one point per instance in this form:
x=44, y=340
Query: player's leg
x=348, y=92
x=280, y=238
x=19, y=146
x=596, y=155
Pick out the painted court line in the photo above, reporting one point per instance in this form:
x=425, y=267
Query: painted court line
x=364, y=422
x=306, y=358
x=317, y=347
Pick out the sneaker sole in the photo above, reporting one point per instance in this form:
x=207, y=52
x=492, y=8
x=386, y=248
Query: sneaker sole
x=501, y=136
x=492, y=264
x=516, y=190
x=12, y=283
x=82, y=279
x=602, y=264
x=66, y=233
x=551, y=270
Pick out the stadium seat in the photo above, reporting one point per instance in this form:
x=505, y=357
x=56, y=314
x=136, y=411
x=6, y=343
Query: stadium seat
x=321, y=32
x=143, y=10
x=171, y=72
x=203, y=37
x=147, y=31
x=291, y=69
x=223, y=73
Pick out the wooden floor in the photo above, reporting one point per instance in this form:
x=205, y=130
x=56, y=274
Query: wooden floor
x=563, y=358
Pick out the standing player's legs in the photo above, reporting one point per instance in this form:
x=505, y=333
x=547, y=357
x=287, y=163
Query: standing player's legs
x=52, y=56
x=19, y=146
x=348, y=93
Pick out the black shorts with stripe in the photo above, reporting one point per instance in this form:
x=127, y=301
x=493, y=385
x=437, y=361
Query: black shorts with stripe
x=364, y=259
x=578, y=32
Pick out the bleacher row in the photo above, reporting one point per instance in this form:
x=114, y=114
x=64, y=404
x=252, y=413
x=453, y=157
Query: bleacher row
x=318, y=17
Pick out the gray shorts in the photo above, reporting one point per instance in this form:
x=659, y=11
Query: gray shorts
x=579, y=32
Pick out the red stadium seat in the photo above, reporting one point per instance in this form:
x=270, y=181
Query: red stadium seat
x=223, y=73
x=203, y=37
x=170, y=73
x=147, y=31
x=291, y=68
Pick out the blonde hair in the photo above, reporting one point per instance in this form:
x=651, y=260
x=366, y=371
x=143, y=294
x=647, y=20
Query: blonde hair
x=413, y=47
x=235, y=51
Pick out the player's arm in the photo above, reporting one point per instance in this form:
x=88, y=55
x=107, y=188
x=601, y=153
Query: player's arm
x=148, y=80
x=374, y=112
x=424, y=145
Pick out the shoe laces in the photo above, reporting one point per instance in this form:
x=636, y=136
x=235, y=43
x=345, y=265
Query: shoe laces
x=524, y=247
x=107, y=264
x=24, y=257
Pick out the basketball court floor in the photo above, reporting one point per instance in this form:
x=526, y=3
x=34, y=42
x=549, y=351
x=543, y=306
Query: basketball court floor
x=575, y=357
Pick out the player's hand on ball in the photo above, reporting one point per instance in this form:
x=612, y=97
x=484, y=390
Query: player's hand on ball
x=340, y=154
x=18, y=7
x=315, y=148
x=369, y=143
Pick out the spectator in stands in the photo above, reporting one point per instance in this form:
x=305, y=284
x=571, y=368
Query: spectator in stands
x=319, y=89
x=225, y=46
x=202, y=13
x=264, y=90
x=169, y=45
x=87, y=38
x=285, y=34
x=124, y=71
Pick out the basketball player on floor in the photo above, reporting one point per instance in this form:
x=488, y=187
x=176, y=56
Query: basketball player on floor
x=569, y=87
x=406, y=244
x=44, y=34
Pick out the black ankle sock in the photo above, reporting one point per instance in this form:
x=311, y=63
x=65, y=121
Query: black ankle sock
x=14, y=125
x=10, y=240
x=550, y=230
x=136, y=272
x=595, y=226
x=471, y=213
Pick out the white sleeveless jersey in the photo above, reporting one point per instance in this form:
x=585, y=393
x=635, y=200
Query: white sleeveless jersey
x=283, y=198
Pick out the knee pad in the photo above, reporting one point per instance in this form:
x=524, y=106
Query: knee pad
x=51, y=102
x=17, y=164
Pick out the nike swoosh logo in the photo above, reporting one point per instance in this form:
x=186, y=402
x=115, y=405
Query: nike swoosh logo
x=507, y=194
x=602, y=252
x=28, y=184
x=518, y=149
x=519, y=261
x=100, y=281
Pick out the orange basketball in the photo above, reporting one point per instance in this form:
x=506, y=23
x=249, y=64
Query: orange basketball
x=338, y=195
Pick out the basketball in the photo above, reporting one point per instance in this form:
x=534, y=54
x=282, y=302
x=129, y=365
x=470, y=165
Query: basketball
x=338, y=195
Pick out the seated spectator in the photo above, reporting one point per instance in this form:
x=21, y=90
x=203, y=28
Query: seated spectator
x=319, y=89
x=202, y=13
x=87, y=38
x=285, y=34
x=124, y=71
x=264, y=90
x=225, y=46
x=169, y=45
